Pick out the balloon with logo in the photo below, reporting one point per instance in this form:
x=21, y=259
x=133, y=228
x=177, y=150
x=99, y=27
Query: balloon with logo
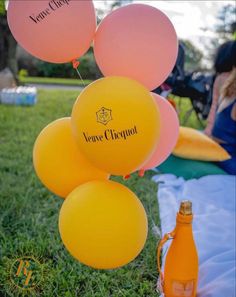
x=169, y=132
x=59, y=164
x=116, y=123
x=46, y=29
x=103, y=224
x=137, y=41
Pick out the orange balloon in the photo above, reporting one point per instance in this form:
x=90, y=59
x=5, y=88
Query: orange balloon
x=59, y=164
x=103, y=224
x=116, y=123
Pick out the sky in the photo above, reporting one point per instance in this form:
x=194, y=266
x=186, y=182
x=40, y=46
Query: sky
x=189, y=17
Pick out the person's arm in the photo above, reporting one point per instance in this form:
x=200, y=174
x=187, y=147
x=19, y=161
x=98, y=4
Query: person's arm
x=212, y=113
x=233, y=112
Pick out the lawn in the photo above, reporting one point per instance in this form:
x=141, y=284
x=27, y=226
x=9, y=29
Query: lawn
x=29, y=215
x=53, y=81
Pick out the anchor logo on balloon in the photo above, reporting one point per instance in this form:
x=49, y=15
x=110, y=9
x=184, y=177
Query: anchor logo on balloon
x=104, y=115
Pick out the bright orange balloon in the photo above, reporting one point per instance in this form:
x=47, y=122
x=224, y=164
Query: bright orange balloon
x=103, y=224
x=116, y=123
x=59, y=164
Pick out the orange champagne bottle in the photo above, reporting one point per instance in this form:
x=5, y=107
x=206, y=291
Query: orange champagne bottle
x=181, y=264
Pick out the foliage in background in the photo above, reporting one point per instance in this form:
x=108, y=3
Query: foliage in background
x=87, y=68
x=22, y=74
x=226, y=22
x=224, y=30
x=8, y=44
x=2, y=7
x=193, y=56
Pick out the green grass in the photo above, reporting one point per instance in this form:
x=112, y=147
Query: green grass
x=183, y=105
x=29, y=215
x=54, y=81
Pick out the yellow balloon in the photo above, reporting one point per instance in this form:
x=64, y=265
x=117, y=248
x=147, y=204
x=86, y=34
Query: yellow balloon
x=116, y=123
x=103, y=224
x=59, y=164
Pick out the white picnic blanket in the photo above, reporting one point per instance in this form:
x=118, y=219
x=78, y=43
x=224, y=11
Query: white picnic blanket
x=213, y=199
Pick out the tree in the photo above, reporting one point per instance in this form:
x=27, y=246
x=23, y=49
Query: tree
x=193, y=56
x=226, y=22
x=7, y=44
x=223, y=31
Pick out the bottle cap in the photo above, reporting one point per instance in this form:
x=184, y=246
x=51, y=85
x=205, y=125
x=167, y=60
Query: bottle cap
x=185, y=207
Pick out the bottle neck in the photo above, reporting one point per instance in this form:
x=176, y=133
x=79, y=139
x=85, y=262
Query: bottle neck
x=183, y=219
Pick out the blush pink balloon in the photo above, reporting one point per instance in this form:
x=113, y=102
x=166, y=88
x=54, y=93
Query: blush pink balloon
x=56, y=31
x=168, y=134
x=137, y=41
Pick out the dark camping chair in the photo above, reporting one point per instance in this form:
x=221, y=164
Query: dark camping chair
x=196, y=86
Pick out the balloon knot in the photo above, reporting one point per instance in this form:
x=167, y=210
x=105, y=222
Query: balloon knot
x=141, y=172
x=75, y=63
x=126, y=176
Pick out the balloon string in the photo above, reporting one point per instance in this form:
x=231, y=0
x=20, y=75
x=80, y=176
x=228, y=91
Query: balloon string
x=75, y=64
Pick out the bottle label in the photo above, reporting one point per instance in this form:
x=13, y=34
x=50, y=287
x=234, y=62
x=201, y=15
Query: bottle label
x=183, y=288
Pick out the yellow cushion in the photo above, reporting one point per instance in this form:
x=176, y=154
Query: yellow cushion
x=195, y=145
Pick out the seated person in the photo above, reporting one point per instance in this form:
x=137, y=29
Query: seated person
x=224, y=127
x=223, y=65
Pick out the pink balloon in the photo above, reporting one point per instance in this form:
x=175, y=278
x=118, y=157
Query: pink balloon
x=168, y=134
x=56, y=31
x=137, y=41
